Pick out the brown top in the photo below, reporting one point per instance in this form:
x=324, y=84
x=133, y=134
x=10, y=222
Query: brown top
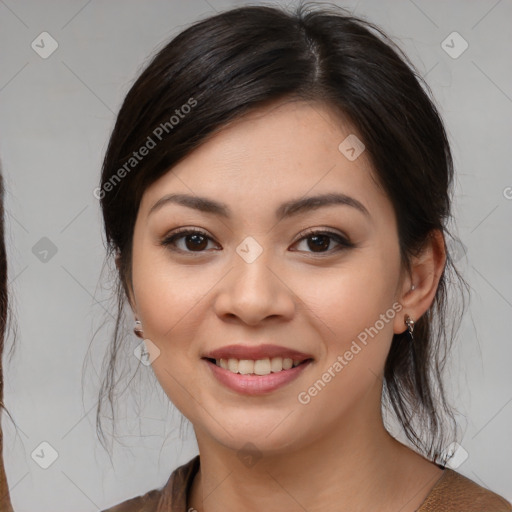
x=452, y=493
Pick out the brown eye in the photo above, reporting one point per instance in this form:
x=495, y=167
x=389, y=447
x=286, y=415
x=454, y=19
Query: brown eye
x=320, y=241
x=196, y=242
x=187, y=241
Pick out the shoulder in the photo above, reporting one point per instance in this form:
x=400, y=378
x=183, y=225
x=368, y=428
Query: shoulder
x=146, y=503
x=172, y=496
x=455, y=493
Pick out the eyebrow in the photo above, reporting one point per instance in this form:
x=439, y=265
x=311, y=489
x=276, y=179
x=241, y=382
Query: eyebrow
x=287, y=209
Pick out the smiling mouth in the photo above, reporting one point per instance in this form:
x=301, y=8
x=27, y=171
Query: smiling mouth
x=258, y=367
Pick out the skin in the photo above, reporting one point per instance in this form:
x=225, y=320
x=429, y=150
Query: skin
x=334, y=452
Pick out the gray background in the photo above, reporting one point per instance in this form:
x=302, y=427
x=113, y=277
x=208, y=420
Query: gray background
x=55, y=118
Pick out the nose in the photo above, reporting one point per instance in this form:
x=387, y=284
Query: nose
x=254, y=292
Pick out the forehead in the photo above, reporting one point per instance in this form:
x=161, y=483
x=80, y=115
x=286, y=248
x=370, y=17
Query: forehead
x=280, y=151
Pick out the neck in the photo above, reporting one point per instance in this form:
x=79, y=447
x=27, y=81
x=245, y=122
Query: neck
x=356, y=467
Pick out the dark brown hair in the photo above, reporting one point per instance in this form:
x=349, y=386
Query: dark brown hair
x=5, y=502
x=3, y=285
x=241, y=59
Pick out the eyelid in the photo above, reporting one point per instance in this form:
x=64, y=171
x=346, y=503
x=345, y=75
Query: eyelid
x=185, y=229
x=177, y=233
x=341, y=239
x=323, y=231
x=343, y=242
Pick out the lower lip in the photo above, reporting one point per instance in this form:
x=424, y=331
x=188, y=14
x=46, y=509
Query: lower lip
x=255, y=384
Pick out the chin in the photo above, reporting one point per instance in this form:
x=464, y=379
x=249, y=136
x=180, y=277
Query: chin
x=270, y=433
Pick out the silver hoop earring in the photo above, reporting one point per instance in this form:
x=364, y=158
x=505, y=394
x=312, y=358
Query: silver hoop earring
x=410, y=326
x=138, y=329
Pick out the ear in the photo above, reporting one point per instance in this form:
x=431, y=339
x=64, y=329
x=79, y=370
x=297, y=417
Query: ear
x=425, y=273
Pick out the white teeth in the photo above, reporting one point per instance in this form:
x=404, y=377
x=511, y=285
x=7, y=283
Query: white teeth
x=258, y=367
x=276, y=364
x=287, y=363
x=245, y=366
x=262, y=366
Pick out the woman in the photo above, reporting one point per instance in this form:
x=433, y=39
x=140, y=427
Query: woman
x=5, y=502
x=249, y=139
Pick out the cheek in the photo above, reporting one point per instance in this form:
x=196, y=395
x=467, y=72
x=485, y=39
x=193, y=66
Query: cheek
x=356, y=306
x=166, y=294
x=349, y=299
x=356, y=313
x=168, y=300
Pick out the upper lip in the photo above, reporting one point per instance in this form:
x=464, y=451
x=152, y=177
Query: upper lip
x=256, y=352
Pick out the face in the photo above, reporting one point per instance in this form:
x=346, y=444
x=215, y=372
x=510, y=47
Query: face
x=318, y=278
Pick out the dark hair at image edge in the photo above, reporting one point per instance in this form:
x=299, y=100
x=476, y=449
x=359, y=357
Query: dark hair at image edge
x=3, y=287
x=5, y=502
x=245, y=58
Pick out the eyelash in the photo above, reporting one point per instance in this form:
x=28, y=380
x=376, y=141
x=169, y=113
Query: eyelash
x=170, y=240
